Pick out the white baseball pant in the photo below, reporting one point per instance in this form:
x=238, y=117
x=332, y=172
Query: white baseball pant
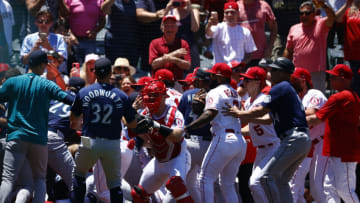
x=340, y=181
x=223, y=158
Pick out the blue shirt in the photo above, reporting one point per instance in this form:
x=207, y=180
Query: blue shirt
x=28, y=98
x=286, y=108
x=102, y=106
x=189, y=116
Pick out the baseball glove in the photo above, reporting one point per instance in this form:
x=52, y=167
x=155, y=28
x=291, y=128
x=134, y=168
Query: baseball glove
x=144, y=124
x=198, y=102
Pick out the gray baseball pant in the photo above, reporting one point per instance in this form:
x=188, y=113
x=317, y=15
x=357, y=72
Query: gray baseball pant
x=294, y=147
x=15, y=155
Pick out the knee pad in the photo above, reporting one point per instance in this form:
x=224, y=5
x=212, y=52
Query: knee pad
x=177, y=187
x=139, y=195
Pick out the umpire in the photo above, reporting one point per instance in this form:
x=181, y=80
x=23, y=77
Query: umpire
x=288, y=115
x=100, y=107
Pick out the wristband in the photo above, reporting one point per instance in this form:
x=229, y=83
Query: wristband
x=163, y=130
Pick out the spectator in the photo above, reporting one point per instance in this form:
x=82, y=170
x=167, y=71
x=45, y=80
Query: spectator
x=126, y=84
x=88, y=69
x=6, y=23
x=189, y=19
x=168, y=51
x=230, y=40
x=86, y=19
x=43, y=39
x=306, y=42
x=349, y=16
x=149, y=14
x=122, y=67
x=255, y=15
x=121, y=38
x=28, y=95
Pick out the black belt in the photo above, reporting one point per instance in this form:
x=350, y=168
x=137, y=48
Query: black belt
x=229, y=130
x=299, y=129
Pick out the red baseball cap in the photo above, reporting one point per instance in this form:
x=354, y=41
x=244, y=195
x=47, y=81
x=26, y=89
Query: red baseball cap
x=4, y=67
x=233, y=84
x=303, y=73
x=235, y=64
x=188, y=79
x=255, y=73
x=169, y=17
x=221, y=69
x=142, y=81
x=341, y=70
x=164, y=74
x=231, y=5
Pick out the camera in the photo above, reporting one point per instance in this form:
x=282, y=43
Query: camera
x=54, y=54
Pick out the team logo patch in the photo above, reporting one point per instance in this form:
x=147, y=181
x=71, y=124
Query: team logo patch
x=179, y=122
x=267, y=99
x=314, y=101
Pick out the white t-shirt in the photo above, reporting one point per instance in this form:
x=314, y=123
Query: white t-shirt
x=260, y=134
x=216, y=99
x=231, y=43
x=315, y=99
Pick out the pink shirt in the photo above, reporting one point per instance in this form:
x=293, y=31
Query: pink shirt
x=309, y=45
x=253, y=17
x=84, y=15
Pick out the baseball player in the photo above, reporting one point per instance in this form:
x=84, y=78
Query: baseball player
x=228, y=147
x=198, y=141
x=288, y=115
x=315, y=163
x=261, y=131
x=166, y=144
x=102, y=107
x=59, y=157
x=341, y=139
x=168, y=78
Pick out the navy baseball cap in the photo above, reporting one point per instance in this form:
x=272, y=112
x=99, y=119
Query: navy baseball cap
x=76, y=82
x=37, y=57
x=201, y=74
x=102, y=66
x=283, y=64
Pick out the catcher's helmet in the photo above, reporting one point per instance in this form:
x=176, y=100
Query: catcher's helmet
x=152, y=95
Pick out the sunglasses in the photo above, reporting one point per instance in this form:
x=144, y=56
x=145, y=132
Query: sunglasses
x=306, y=13
x=43, y=21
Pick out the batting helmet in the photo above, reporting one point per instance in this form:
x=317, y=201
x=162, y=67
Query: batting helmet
x=283, y=64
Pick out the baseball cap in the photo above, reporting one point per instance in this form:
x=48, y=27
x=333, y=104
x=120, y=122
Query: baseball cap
x=221, y=69
x=76, y=82
x=188, y=79
x=235, y=64
x=169, y=17
x=283, y=64
x=201, y=74
x=142, y=81
x=255, y=73
x=233, y=84
x=264, y=62
x=37, y=57
x=303, y=73
x=164, y=74
x=102, y=66
x=231, y=5
x=90, y=57
x=124, y=62
x=341, y=70
x=4, y=67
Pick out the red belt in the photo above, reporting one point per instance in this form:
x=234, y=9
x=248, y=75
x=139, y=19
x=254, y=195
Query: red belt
x=267, y=145
x=229, y=130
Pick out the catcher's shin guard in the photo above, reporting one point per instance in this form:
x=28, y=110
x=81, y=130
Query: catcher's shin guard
x=177, y=188
x=139, y=195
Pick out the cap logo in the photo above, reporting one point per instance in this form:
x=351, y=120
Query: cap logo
x=230, y=6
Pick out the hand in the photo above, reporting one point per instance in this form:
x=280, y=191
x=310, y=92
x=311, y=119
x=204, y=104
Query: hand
x=91, y=34
x=46, y=44
x=233, y=111
x=138, y=103
x=188, y=4
x=160, y=13
x=75, y=72
x=37, y=44
x=52, y=70
x=179, y=53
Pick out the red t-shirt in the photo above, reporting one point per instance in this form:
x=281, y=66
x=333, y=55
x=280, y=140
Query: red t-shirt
x=342, y=138
x=352, y=35
x=158, y=48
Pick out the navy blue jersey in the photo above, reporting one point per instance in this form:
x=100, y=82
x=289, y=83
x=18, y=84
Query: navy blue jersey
x=286, y=108
x=59, y=117
x=102, y=106
x=189, y=116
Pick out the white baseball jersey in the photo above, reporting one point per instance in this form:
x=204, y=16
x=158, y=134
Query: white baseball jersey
x=216, y=99
x=260, y=134
x=174, y=97
x=315, y=99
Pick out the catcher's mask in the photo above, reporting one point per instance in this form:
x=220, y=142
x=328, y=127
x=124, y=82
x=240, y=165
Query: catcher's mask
x=152, y=94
